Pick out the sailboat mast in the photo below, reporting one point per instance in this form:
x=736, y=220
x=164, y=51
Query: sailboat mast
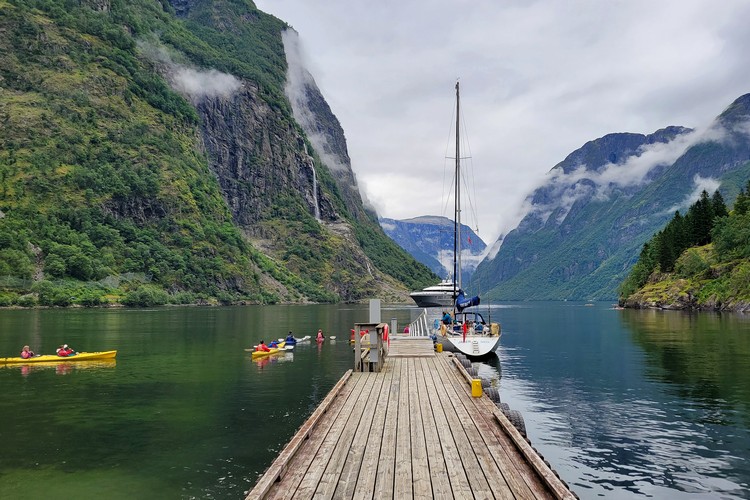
x=457, y=228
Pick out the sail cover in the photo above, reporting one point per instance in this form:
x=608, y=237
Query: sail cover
x=462, y=302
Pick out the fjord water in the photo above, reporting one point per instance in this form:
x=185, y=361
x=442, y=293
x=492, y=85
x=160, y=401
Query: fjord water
x=621, y=403
x=627, y=403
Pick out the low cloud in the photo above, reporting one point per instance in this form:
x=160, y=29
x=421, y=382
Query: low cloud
x=701, y=184
x=580, y=183
x=298, y=81
x=192, y=82
x=387, y=226
x=197, y=84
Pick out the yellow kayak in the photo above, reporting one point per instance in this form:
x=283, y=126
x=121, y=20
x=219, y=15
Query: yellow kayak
x=260, y=354
x=54, y=358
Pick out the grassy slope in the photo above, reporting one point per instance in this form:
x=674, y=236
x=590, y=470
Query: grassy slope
x=99, y=170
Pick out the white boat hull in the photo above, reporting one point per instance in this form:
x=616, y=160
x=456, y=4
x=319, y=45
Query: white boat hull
x=474, y=346
x=440, y=295
x=423, y=299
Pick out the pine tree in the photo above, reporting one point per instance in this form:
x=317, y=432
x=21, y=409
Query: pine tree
x=741, y=204
x=700, y=220
x=680, y=233
x=718, y=206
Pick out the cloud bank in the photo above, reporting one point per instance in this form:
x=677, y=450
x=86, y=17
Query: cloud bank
x=567, y=188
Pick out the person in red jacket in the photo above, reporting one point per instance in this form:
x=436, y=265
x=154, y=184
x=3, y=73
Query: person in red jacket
x=65, y=351
x=262, y=347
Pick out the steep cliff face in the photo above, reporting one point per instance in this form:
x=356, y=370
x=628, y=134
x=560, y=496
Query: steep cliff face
x=321, y=126
x=258, y=157
x=288, y=179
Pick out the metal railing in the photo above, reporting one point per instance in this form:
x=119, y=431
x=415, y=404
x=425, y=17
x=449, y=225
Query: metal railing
x=421, y=326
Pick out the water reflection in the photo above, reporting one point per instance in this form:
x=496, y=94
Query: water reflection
x=631, y=403
x=60, y=368
x=283, y=357
x=705, y=356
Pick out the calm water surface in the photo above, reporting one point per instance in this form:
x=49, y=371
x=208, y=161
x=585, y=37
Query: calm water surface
x=622, y=403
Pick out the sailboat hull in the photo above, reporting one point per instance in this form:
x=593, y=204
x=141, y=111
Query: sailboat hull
x=474, y=346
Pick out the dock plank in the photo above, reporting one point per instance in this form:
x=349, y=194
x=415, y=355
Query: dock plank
x=368, y=470
x=386, y=464
x=368, y=425
x=430, y=477
x=419, y=463
x=411, y=347
x=455, y=472
x=324, y=453
x=479, y=433
x=461, y=428
x=306, y=455
x=330, y=478
x=506, y=450
x=403, y=465
x=279, y=467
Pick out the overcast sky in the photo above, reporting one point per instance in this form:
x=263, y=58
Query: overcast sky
x=538, y=80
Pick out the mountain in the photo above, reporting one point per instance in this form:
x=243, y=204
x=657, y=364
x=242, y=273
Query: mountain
x=589, y=220
x=154, y=152
x=429, y=239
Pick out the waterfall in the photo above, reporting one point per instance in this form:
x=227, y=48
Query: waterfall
x=315, y=194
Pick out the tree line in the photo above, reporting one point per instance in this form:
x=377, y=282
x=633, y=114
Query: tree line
x=701, y=225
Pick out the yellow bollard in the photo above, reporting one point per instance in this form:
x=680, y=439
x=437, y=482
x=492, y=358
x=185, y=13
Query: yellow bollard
x=476, y=388
x=439, y=347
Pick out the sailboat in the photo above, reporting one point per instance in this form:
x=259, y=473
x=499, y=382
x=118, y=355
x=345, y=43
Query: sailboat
x=468, y=333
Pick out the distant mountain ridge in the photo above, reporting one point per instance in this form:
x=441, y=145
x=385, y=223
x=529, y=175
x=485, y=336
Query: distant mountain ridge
x=589, y=220
x=429, y=239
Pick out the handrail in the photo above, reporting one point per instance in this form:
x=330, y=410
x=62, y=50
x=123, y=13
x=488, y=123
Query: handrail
x=420, y=327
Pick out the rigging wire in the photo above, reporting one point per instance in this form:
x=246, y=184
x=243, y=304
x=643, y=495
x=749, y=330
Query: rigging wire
x=469, y=179
x=446, y=196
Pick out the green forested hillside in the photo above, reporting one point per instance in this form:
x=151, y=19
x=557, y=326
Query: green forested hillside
x=105, y=192
x=699, y=261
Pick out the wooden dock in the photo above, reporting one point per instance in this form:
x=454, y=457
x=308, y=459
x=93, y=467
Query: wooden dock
x=412, y=430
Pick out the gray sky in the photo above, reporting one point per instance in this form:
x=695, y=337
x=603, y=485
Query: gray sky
x=538, y=80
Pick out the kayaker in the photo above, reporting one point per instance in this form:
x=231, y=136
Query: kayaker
x=64, y=351
x=27, y=353
x=320, y=337
x=273, y=345
x=262, y=347
x=290, y=338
